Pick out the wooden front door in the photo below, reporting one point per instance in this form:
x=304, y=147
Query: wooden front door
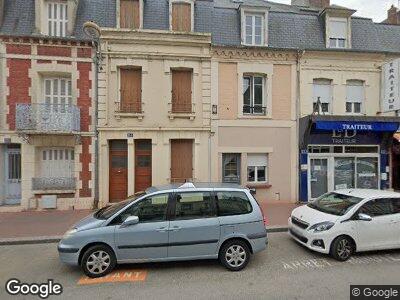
x=142, y=165
x=181, y=160
x=118, y=183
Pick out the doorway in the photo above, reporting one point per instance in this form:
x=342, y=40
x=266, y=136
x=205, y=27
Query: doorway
x=143, y=177
x=118, y=170
x=181, y=160
x=12, y=175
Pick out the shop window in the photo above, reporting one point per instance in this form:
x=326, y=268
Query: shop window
x=355, y=96
x=57, y=19
x=322, y=95
x=338, y=33
x=257, y=168
x=231, y=167
x=254, y=94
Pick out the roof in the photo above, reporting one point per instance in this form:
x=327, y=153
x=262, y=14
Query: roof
x=369, y=193
x=195, y=185
x=290, y=27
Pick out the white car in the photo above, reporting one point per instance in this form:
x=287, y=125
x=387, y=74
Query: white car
x=347, y=221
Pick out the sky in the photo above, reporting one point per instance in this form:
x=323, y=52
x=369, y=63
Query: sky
x=374, y=9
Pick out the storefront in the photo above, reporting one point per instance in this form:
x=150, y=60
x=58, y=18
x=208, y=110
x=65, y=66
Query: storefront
x=339, y=152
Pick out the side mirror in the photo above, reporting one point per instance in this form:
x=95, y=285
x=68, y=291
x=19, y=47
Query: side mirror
x=364, y=217
x=253, y=191
x=131, y=220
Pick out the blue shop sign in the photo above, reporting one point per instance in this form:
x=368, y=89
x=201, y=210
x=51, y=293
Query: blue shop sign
x=357, y=126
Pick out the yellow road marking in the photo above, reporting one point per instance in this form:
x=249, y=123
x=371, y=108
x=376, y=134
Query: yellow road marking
x=116, y=276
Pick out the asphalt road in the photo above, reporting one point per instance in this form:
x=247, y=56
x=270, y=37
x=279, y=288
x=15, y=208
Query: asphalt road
x=285, y=271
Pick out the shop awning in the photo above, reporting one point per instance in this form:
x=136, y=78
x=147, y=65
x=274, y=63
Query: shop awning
x=359, y=126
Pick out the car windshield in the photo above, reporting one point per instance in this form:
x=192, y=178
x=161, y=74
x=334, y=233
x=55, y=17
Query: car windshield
x=109, y=210
x=334, y=203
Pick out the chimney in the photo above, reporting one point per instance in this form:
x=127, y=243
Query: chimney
x=393, y=16
x=312, y=3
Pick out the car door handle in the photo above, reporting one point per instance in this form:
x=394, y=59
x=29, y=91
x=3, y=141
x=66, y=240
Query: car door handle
x=394, y=221
x=162, y=229
x=175, y=228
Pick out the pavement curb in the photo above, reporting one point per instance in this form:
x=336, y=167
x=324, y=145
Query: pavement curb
x=273, y=229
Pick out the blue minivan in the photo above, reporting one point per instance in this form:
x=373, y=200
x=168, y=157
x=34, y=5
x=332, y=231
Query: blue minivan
x=171, y=223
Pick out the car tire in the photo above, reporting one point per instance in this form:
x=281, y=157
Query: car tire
x=234, y=255
x=98, y=261
x=342, y=248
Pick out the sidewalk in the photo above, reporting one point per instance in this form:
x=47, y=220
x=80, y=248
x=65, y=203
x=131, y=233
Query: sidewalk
x=49, y=226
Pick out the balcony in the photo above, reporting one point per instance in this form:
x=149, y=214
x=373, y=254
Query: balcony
x=181, y=108
x=47, y=118
x=129, y=109
x=254, y=110
x=54, y=184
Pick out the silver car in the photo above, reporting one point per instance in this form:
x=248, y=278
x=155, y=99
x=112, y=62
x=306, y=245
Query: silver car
x=187, y=222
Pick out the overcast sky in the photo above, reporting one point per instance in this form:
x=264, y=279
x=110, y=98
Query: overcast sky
x=375, y=9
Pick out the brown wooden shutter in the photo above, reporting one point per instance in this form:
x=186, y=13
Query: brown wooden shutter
x=129, y=14
x=181, y=91
x=181, y=160
x=181, y=17
x=131, y=90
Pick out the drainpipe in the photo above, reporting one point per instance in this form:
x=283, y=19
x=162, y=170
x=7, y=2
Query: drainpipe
x=300, y=53
x=96, y=116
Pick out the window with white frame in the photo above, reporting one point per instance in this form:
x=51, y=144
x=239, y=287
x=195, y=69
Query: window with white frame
x=57, y=162
x=322, y=95
x=257, y=167
x=57, y=93
x=254, y=29
x=231, y=167
x=338, y=33
x=254, y=94
x=57, y=18
x=355, y=96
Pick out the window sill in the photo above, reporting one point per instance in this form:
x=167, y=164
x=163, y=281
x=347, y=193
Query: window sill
x=190, y=116
x=51, y=192
x=139, y=116
x=254, y=45
x=255, y=116
x=260, y=185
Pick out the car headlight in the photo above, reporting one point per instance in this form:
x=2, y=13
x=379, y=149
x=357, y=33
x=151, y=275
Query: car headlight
x=323, y=226
x=70, y=232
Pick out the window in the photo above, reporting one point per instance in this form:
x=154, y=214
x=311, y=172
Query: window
x=233, y=203
x=181, y=17
x=57, y=163
x=231, y=167
x=253, y=95
x=57, y=93
x=57, y=15
x=355, y=96
x=377, y=207
x=129, y=14
x=131, y=90
x=257, y=168
x=14, y=164
x=151, y=209
x=322, y=97
x=338, y=33
x=194, y=206
x=254, y=29
x=182, y=91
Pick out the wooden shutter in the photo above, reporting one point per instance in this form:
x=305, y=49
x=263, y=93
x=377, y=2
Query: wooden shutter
x=131, y=90
x=182, y=91
x=181, y=160
x=181, y=17
x=129, y=14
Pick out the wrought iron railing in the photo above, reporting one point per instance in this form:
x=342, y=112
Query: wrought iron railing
x=135, y=108
x=181, y=104
x=254, y=110
x=56, y=183
x=63, y=118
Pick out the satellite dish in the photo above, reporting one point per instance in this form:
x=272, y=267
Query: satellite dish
x=92, y=30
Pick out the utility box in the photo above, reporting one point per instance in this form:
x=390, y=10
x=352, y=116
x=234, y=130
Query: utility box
x=48, y=201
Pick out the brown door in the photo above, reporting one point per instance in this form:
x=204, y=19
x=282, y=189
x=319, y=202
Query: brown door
x=129, y=14
x=181, y=160
x=142, y=165
x=182, y=91
x=118, y=170
x=131, y=90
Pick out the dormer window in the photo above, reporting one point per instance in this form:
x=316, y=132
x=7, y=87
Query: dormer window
x=254, y=27
x=181, y=15
x=57, y=15
x=338, y=33
x=130, y=15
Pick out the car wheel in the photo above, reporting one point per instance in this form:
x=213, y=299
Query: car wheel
x=342, y=248
x=234, y=255
x=98, y=261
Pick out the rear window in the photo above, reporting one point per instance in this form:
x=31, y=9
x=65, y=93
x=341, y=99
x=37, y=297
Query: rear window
x=233, y=203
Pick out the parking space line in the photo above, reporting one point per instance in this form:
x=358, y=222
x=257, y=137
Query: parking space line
x=116, y=276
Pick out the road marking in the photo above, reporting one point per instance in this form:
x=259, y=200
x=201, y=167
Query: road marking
x=320, y=263
x=116, y=276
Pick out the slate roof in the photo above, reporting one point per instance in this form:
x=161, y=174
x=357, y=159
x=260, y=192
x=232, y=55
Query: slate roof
x=290, y=27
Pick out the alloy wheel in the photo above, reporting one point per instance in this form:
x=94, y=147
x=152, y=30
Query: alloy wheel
x=235, y=256
x=98, y=262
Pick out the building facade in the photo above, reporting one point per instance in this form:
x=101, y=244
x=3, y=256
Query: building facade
x=47, y=108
